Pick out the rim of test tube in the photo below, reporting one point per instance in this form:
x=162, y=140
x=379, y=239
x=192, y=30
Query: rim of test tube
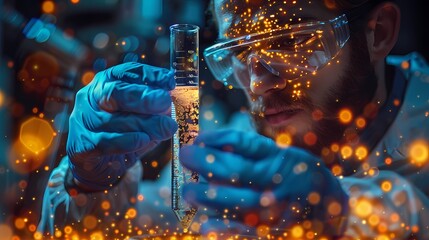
x=184, y=27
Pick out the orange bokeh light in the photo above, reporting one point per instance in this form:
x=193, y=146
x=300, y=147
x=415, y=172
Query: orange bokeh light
x=419, y=152
x=36, y=134
x=48, y=6
x=345, y=116
x=284, y=140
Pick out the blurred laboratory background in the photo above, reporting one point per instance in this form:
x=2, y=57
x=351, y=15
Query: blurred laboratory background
x=51, y=48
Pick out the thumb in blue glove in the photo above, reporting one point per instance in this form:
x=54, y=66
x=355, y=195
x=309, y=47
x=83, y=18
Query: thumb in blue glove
x=119, y=116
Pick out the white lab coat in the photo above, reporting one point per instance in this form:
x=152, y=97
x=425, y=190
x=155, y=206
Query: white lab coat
x=395, y=212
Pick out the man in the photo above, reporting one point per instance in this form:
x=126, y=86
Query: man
x=350, y=150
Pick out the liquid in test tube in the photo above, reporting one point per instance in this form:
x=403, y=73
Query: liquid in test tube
x=184, y=61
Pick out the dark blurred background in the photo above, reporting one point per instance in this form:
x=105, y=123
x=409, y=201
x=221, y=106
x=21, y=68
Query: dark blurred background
x=50, y=49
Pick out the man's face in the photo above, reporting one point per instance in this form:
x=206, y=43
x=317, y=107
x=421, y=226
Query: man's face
x=304, y=112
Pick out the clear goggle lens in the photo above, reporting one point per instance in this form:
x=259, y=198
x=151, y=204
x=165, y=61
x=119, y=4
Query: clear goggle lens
x=289, y=53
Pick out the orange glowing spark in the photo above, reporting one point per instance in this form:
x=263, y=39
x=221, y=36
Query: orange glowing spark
x=297, y=232
x=36, y=134
x=419, y=152
x=386, y=186
x=346, y=152
x=283, y=140
x=48, y=7
x=363, y=208
x=361, y=152
x=87, y=77
x=345, y=116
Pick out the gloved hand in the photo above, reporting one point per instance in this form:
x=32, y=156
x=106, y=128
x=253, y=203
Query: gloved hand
x=261, y=184
x=120, y=115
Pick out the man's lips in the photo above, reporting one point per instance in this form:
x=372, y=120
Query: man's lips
x=277, y=117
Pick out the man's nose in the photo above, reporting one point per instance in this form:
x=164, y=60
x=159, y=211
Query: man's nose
x=263, y=77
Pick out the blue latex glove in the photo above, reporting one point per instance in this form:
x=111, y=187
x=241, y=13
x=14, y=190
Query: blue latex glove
x=260, y=183
x=120, y=115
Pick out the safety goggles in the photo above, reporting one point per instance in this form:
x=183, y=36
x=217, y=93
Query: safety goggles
x=289, y=53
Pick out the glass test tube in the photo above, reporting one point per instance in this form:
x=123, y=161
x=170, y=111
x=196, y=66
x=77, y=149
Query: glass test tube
x=184, y=61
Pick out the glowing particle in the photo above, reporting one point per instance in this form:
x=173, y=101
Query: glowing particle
x=345, y=116
x=346, y=152
x=212, y=235
x=277, y=178
x=208, y=115
x=48, y=6
x=297, y=232
x=266, y=199
x=317, y=115
x=388, y=161
x=263, y=230
x=335, y=147
x=334, y=208
x=90, y=222
x=100, y=40
x=37, y=235
x=300, y=168
x=32, y=228
x=211, y=193
x=105, y=205
x=386, y=186
x=419, y=152
x=394, y=217
x=337, y=170
x=75, y=1
x=97, y=236
x=310, y=138
x=314, y=198
x=154, y=164
x=131, y=213
x=1, y=99
x=58, y=233
x=363, y=208
x=251, y=219
x=382, y=237
x=283, y=140
x=68, y=230
x=19, y=223
x=210, y=158
x=36, y=134
x=360, y=122
x=140, y=197
x=405, y=65
x=396, y=102
x=87, y=77
x=374, y=220
x=361, y=152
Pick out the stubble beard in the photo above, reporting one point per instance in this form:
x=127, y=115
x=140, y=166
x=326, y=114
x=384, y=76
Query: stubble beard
x=355, y=89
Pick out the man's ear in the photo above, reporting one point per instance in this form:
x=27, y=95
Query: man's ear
x=383, y=30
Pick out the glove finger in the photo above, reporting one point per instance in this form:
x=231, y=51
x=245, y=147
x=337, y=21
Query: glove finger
x=117, y=96
x=103, y=144
x=240, y=202
x=222, y=197
x=157, y=127
x=213, y=164
x=248, y=144
x=228, y=168
x=139, y=73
